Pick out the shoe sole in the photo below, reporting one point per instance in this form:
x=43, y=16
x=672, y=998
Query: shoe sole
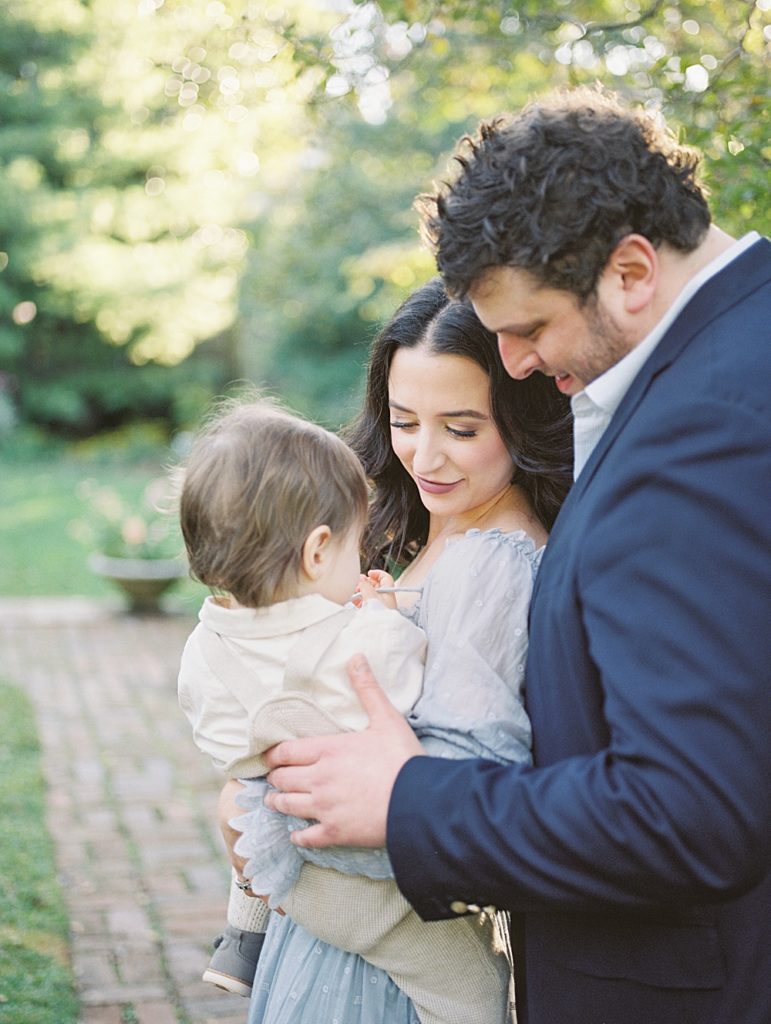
x=227, y=983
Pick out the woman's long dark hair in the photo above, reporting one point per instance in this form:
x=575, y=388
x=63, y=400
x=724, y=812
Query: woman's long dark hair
x=532, y=417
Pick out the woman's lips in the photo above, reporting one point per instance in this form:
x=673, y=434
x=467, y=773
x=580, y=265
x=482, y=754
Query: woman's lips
x=431, y=487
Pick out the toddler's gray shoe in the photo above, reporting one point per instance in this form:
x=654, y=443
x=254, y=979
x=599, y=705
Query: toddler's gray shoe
x=234, y=961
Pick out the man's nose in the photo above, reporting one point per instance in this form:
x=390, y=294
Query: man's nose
x=518, y=357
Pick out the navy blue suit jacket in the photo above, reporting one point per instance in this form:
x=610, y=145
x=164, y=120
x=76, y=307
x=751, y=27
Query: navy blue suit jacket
x=635, y=855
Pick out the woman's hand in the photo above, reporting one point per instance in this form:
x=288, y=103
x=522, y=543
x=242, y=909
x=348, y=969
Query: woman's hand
x=344, y=781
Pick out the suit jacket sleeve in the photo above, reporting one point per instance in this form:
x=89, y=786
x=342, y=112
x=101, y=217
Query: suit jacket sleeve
x=652, y=621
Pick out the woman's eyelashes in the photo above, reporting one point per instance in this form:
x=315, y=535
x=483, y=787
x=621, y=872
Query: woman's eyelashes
x=452, y=431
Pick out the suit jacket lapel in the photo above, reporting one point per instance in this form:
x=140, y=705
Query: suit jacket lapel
x=728, y=288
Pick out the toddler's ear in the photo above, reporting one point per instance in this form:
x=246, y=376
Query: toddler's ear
x=315, y=551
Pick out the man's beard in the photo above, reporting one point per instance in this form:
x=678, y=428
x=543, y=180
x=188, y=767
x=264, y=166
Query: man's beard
x=606, y=344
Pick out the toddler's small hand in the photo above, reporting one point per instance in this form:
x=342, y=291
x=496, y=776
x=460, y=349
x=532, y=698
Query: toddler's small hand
x=368, y=589
x=369, y=585
x=380, y=578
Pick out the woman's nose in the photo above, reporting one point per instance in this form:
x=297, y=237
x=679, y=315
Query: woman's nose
x=427, y=455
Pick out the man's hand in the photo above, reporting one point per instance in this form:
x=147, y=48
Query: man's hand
x=344, y=781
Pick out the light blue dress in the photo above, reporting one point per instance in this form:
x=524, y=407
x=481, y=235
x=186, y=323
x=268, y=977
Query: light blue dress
x=473, y=608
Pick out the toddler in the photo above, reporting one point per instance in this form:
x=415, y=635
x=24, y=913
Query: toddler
x=272, y=510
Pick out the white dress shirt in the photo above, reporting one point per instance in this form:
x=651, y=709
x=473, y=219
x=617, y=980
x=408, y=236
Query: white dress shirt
x=593, y=407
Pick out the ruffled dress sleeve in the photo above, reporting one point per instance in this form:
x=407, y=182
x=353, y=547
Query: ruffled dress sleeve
x=474, y=610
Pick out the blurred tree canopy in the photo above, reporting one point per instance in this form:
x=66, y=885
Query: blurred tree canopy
x=195, y=191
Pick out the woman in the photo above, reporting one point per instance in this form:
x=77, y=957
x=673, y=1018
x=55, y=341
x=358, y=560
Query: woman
x=468, y=469
x=529, y=418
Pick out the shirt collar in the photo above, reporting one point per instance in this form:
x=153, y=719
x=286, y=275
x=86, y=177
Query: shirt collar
x=273, y=620
x=607, y=390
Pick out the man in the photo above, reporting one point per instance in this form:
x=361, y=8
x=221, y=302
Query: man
x=635, y=854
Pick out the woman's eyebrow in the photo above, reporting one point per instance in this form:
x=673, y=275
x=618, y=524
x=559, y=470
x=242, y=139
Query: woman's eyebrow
x=466, y=414
x=472, y=414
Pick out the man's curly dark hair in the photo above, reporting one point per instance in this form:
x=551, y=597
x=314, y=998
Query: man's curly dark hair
x=554, y=189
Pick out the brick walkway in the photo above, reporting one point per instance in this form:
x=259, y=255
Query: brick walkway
x=131, y=806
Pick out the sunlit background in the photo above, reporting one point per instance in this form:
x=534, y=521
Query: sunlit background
x=198, y=193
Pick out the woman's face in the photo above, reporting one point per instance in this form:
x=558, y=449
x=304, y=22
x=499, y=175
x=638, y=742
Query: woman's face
x=443, y=432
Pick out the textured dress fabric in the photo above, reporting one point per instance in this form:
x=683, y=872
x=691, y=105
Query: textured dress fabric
x=473, y=608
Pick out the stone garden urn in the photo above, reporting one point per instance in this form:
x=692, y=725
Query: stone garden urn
x=143, y=581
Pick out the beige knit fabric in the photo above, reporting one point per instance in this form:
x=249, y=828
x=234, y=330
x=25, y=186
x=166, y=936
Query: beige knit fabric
x=455, y=972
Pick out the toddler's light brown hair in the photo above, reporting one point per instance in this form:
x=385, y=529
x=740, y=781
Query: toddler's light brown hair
x=258, y=480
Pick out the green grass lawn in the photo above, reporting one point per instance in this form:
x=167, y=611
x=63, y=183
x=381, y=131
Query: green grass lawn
x=40, y=509
x=36, y=984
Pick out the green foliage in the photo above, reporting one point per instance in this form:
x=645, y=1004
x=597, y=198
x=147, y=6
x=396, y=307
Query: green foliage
x=78, y=403
x=101, y=274
x=69, y=381
x=336, y=251
x=309, y=299
x=40, y=555
x=238, y=179
x=44, y=547
x=143, y=527
x=36, y=983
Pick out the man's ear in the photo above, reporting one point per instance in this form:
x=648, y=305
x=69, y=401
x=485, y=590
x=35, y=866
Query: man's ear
x=632, y=271
x=315, y=551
